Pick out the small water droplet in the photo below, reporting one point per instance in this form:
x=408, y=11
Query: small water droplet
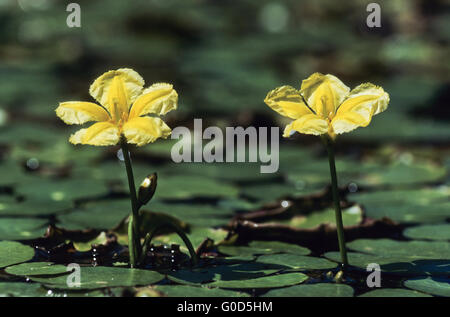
x=352, y=187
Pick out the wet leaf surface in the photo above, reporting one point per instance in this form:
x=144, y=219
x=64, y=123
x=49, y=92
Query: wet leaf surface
x=431, y=285
x=263, y=282
x=36, y=268
x=393, y=292
x=312, y=290
x=12, y=252
x=101, y=277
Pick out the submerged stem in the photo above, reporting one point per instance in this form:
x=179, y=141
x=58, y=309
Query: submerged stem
x=337, y=205
x=134, y=240
x=181, y=234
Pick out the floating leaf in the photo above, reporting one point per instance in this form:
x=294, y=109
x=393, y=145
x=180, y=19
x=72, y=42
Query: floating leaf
x=179, y=187
x=22, y=228
x=407, y=206
x=312, y=290
x=191, y=291
x=277, y=280
x=201, y=215
x=393, y=292
x=429, y=232
x=12, y=252
x=18, y=289
x=263, y=247
x=439, y=286
x=59, y=190
x=350, y=216
x=105, y=214
x=36, y=268
x=297, y=262
x=100, y=277
x=33, y=207
x=399, y=257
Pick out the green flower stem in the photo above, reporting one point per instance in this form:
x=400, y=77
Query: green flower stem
x=134, y=241
x=337, y=205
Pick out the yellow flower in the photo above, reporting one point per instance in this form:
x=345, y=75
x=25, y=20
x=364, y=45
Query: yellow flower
x=123, y=109
x=325, y=105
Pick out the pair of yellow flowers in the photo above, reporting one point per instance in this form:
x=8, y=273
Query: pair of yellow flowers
x=323, y=105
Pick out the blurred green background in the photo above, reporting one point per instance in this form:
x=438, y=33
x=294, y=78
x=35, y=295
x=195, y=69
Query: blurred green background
x=223, y=57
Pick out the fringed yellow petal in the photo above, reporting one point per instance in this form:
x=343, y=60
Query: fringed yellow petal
x=308, y=124
x=324, y=93
x=159, y=98
x=143, y=130
x=366, y=95
x=117, y=89
x=78, y=112
x=357, y=110
x=101, y=133
x=287, y=101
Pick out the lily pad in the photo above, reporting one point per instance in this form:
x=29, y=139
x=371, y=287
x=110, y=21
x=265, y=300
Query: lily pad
x=100, y=277
x=191, y=291
x=439, y=286
x=350, y=216
x=429, y=232
x=33, y=207
x=200, y=215
x=12, y=252
x=19, y=289
x=105, y=214
x=36, y=268
x=224, y=272
x=265, y=193
x=277, y=280
x=403, y=174
x=399, y=257
x=271, y=247
x=22, y=228
x=297, y=262
x=59, y=190
x=393, y=292
x=406, y=206
x=312, y=290
x=263, y=247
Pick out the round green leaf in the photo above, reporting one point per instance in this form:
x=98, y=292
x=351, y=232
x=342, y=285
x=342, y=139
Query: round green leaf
x=277, y=280
x=399, y=257
x=393, y=292
x=263, y=247
x=312, y=290
x=100, y=277
x=22, y=228
x=297, y=262
x=104, y=214
x=36, y=268
x=191, y=291
x=439, y=286
x=33, y=207
x=186, y=186
x=18, y=289
x=429, y=232
x=59, y=190
x=406, y=206
x=12, y=252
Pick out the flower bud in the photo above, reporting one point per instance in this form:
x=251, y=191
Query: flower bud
x=147, y=189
